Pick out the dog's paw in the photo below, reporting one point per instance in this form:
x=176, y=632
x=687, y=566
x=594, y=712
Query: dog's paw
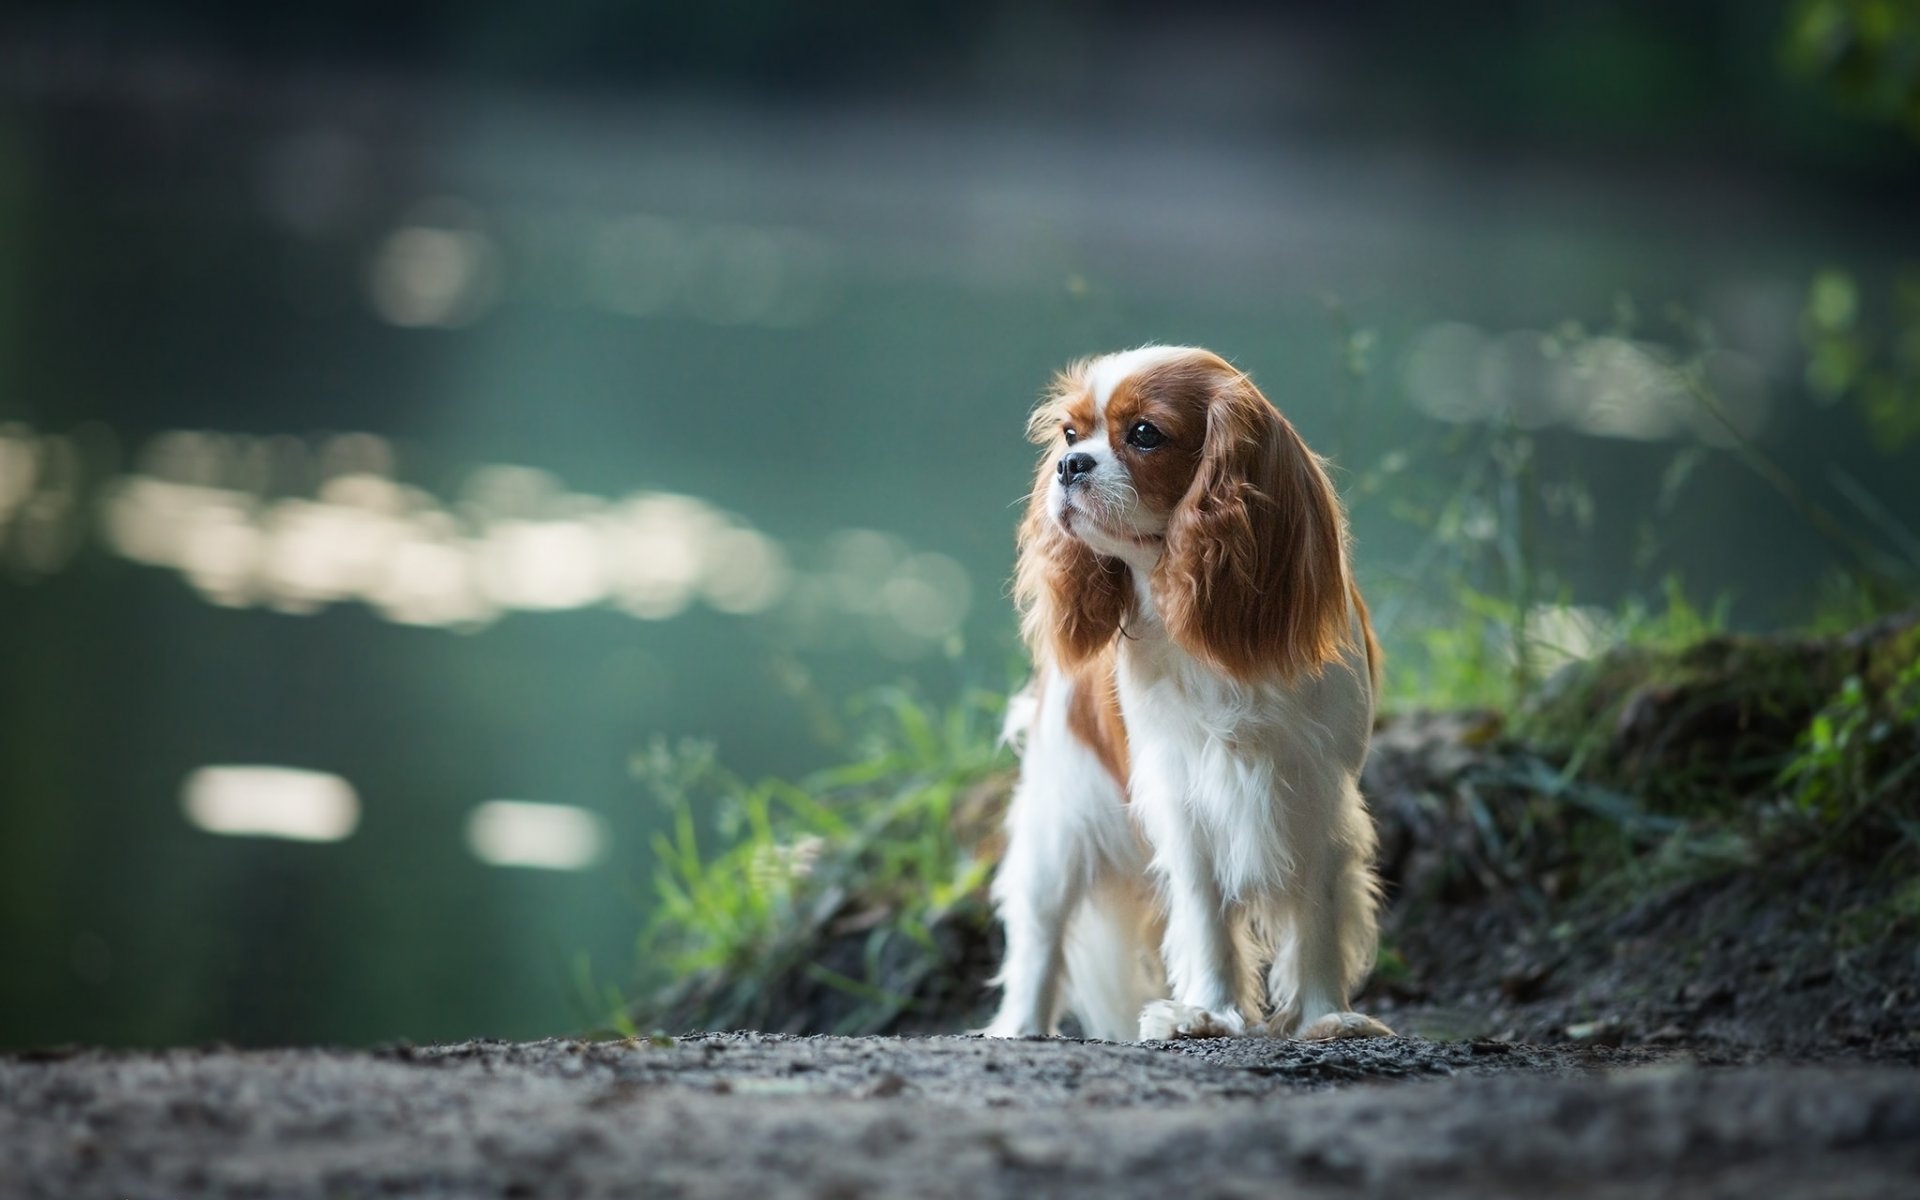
x=1165, y=1020
x=1342, y=1025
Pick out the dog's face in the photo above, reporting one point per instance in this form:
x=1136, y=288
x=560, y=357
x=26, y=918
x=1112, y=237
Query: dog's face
x=1165, y=466
x=1123, y=439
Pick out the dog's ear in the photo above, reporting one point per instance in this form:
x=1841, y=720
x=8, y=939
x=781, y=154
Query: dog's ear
x=1071, y=600
x=1254, y=578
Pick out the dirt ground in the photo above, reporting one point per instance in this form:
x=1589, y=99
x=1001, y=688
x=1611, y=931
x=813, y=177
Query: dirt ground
x=764, y=1115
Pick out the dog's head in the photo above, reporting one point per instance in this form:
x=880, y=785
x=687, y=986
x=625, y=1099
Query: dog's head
x=1166, y=465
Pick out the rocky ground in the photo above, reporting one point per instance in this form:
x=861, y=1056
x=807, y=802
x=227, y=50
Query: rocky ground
x=758, y=1115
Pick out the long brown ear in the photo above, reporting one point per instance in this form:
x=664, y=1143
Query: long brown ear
x=1071, y=600
x=1254, y=578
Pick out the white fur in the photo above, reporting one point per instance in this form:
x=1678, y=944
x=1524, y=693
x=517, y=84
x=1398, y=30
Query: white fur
x=1103, y=509
x=1071, y=889
x=1249, y=796
x=1109, y=371
x=1242, y=845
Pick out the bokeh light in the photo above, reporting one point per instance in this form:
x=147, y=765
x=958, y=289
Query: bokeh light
x=271, y=802
x=515, y=540
x=518, y=833
x=1602, y=386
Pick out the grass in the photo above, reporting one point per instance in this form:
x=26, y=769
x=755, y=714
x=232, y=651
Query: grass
x=1861, y=750
x=1475, y=657
x=876, y=856
x=1759, y=750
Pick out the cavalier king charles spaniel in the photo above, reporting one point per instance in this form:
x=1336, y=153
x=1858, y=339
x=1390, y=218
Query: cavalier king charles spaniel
x=1188, y=853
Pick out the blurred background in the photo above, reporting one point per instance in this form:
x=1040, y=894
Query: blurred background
x=410, y=413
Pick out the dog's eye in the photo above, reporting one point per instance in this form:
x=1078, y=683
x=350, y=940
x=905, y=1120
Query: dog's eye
x=1143, y=436
x=1071, y=434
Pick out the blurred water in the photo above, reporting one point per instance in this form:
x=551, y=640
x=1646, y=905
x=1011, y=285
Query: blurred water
x=446, y=449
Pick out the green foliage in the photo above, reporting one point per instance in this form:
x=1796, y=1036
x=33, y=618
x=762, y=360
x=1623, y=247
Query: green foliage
x=1506, y=617
x=1865, y=356
x=1858, y=749
x=1722, y=752
x=1865, y=53
x=1897, y=916
x=1675, y=758
x=599, y=1001
x=1830, y=764
x=1462, y=663
x=1677, y=623
x=880, y=844
x=1469, y=660
x=1390, y=969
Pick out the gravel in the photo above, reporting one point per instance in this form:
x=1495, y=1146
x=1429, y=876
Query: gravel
x=760, y=1115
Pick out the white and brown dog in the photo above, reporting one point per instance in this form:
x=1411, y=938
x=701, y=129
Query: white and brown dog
x=1189, y=854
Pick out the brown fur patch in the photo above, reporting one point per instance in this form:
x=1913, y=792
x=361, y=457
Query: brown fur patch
x=1254, y=579
x=1173, y=397
x=1072, y=601
x=1093, y=715
x=1067, y=402
x=1376, y=658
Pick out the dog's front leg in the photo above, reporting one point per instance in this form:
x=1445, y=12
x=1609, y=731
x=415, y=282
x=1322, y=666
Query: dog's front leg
x=1201, y=959
x=1035, y=890
x=1335, y=939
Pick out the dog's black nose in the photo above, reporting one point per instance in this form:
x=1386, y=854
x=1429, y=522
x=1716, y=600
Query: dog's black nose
x=1073, y=466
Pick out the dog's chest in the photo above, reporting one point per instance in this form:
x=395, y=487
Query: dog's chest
x=1175, y=705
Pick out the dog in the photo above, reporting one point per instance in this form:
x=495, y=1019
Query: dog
x=1188, y=851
